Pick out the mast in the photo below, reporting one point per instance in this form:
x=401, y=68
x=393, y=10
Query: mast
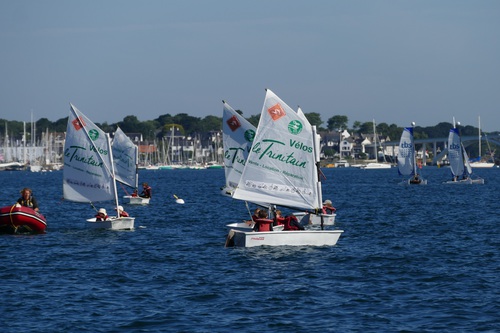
x=113, y=177
x=414, y=150
x=24, y=142
x=479, y=133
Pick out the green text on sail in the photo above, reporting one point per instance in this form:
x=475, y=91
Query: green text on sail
x=266, y=150
x=73, y=154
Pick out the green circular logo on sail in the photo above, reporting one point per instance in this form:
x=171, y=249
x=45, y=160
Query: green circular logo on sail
x=94, y=134
x=295, y=127
x=249, y=135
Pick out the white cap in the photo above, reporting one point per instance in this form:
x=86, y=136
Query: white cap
x=120, y=208
x=102, y=210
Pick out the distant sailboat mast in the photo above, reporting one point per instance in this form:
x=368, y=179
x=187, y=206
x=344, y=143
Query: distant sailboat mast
x=479, y=133
x=414, y=149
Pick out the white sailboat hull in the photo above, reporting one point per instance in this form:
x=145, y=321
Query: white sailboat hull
x=315, y=220
x=283, y=238
x=468, y=181
x=135, y=200
x=370, y=166
x=113, y=223
x=243, y=226
x=482, y=164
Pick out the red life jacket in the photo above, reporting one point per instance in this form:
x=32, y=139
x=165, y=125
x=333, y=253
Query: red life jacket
x=264, y=224
x=329, y=210
x=280, y=220
x=291, y=223
x=100, y=218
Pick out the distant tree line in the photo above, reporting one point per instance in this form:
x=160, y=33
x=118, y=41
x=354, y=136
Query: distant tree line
x=189, y=125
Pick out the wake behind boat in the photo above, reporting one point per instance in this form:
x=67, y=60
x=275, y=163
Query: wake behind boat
x=19, y=219
x=89, y=171
x=282, y=169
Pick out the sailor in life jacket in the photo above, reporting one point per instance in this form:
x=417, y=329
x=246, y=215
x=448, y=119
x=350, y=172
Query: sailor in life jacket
x=27, y=199
x=101, y=215
x=146, y=191
x=291, y=223
x=121, y=212
x=263, y=223
x=254, y=217
x=280, y=219
x=328, y=208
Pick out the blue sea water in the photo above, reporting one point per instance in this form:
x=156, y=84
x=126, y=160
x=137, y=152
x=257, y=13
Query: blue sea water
x=411, y=259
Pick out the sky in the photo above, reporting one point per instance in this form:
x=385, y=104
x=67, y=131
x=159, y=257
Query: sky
x=388, y=61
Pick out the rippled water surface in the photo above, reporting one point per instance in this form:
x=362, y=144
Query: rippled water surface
x=411, y=259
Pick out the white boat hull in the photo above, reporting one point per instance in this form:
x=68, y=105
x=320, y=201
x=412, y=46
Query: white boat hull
x=468, y=181
x=243, y=226
x=283, y=238
x=113, y=223
x=482, y=164
x=135, y=200
x=315, y=220
x=375, y=166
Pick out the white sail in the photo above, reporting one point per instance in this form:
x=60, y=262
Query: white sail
x=455, y=155
x=466, y=161
x=237, y=136
x=125, y=157
x=281, y=166
x=87, y=173
x=406, y=153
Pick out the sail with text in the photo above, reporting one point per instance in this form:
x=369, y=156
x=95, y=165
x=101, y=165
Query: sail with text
x=125, y=158
x=237, y=136
x=281, y=166
x=455, y=153
x=87, y=172
x=406, y=153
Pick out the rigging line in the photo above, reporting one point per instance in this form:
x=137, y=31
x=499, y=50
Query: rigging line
x=248, y=209
x=91, y=204
x=123, y=187
x=320, y=173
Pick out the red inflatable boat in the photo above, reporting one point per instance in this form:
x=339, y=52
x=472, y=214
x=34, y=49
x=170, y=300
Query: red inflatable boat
x=17, y=218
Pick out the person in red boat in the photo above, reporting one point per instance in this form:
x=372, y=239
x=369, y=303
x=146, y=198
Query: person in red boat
x=280, y=219
x=291, y=223
x=254, y=217
x=27, y=199
x=263, y=223
x=121, y=212
x=146, y=191
x=328, y=207
x=101, y=215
